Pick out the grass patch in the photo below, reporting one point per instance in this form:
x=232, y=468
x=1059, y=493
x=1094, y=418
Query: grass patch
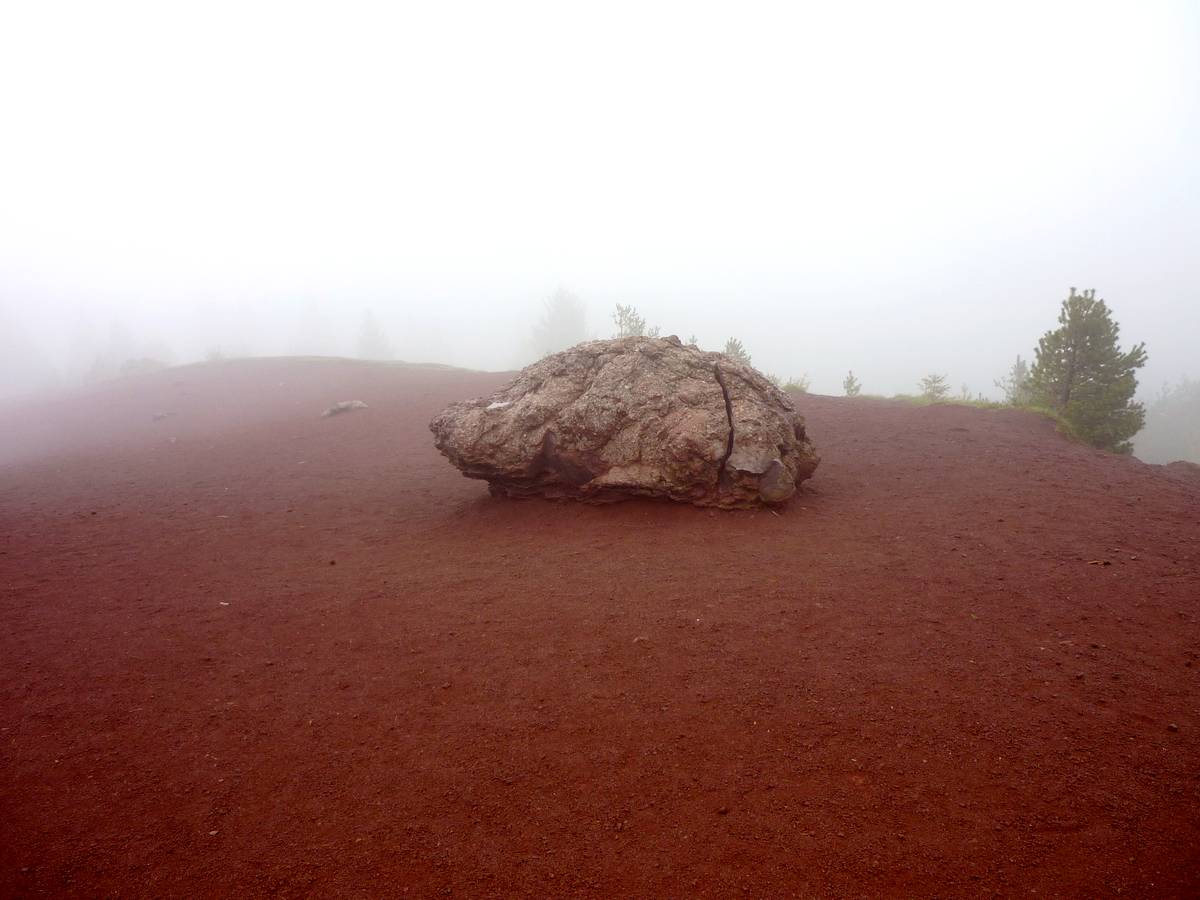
x=920, y=400
x=1061, y=425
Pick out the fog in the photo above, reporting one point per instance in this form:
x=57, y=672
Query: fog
x=896, y=189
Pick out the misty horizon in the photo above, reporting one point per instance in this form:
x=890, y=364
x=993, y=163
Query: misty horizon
x=895, y=194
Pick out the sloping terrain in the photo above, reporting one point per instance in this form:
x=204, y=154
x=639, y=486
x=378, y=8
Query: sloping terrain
x=249, y=651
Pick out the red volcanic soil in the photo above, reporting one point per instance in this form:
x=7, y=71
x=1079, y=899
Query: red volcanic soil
x=248, y=651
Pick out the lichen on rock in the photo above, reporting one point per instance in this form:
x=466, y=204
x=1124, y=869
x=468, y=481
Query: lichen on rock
x=634, y=416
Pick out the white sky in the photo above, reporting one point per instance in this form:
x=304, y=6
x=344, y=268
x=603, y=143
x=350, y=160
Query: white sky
x=896, y=188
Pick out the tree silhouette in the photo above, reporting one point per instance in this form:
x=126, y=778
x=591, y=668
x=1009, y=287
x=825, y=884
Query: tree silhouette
x=372, y=341
x=563, y=324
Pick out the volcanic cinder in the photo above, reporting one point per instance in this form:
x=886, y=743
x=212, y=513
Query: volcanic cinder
x=634, y=416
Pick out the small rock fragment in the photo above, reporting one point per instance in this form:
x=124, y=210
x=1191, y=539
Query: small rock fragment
x=344, y=406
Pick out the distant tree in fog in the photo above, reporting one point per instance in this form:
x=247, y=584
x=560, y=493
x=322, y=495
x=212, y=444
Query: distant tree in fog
x=1082, y=374
x=563, y=324
x=692, y=342
x=851, y=385
x=121, y=354
x=373, y=343
x=934, y=387
x=1018, y=391
x=735, y=350
x=1172, y=429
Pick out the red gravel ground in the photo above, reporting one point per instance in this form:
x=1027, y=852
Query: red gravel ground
x=247, y=651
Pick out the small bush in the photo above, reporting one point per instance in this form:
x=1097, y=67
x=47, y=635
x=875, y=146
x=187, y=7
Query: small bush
x=934, y=388
x=629, y=323
x=798, y=385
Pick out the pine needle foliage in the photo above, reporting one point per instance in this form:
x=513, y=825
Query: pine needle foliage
x=851, y=385
x=1081, y=373
x=735, y=350
x=934, y=388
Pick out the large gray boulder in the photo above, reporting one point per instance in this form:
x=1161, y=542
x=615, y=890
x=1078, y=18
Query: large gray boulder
x=635, y=416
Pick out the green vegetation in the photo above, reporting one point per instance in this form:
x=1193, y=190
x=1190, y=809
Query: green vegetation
x=798, y=385
x=1081, y=373
x=795, y=385
x=630, y=324
x=1065, y=428
x=923, y=400
x=735, y=350
x=1016, y=385
x=1080, y=378
x=934, y=388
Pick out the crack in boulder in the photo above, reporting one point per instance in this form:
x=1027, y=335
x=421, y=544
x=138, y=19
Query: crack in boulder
x=729, y=416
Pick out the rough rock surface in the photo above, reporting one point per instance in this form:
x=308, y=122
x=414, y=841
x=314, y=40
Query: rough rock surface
x=635, y=416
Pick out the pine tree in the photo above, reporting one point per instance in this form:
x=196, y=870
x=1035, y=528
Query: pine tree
x=934, y=388
x=1015, y=384
x=1082, y=374
x=628, y=322
x=735, y=350
x=851, y=385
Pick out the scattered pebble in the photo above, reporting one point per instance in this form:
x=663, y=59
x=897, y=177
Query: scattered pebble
x=1172, y=727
